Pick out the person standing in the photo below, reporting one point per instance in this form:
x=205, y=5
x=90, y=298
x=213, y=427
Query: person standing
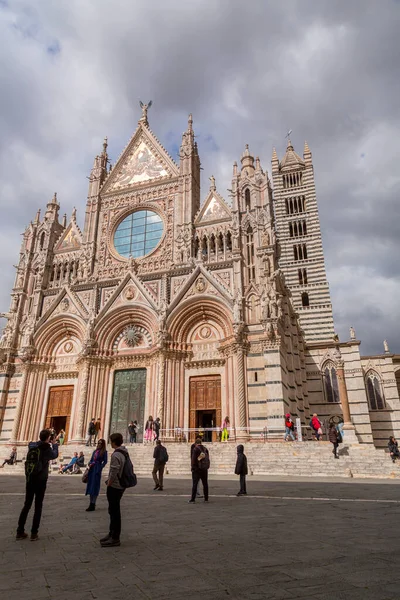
x=334, y=438
x=200, y=466
x=96, y=465
x=289, y=427
x=160, y=456
x=115, y=490
x=148, y=430
x=91, y=432
x=132, y=430
x=36, y=472
x=97, y=429
x=224, y=430
x=241, y=469
x=156, y=429
x=12, y=458
x=316, y=426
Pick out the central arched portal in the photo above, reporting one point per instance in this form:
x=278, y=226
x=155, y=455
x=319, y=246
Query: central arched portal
x=205, y=405
x=128, y=400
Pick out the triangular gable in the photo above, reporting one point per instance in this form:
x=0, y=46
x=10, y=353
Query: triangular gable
x=143, y=160
x=213, y=209
x=71, y=239
x=201, y=282
x=130, y=291
x=66, y=303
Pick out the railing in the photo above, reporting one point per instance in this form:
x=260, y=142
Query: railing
x=213, y=434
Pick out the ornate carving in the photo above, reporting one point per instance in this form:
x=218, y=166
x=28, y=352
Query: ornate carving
x=132, y=336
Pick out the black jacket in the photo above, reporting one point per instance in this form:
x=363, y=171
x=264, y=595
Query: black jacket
x=241, y=461
x=48, y=452
x=197, y=450
x=160, y=455
x=81, y=461
x=393, y=447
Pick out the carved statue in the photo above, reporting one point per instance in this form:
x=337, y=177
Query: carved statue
x=352, y=333
x=28, y=332
x=237, y=308
x=386, y=346
x=145, y=108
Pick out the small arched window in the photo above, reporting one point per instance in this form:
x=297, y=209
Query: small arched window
x=42, y=240
x=305, y=300
x=331, y=388
x=374, y=391
x=247, y=202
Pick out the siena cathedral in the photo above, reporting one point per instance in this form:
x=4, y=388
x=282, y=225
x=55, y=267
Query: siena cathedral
x=185, y=306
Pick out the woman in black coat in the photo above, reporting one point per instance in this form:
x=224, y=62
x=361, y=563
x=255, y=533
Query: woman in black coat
x=241, y=469
x=393, y=448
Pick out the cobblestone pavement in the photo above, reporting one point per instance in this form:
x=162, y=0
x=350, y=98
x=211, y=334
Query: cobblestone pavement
x=319, y=540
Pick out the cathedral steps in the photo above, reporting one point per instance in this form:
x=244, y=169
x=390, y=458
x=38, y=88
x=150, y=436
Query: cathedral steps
x=304, y=459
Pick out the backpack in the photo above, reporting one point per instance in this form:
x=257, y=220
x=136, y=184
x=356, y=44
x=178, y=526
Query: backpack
x=204, y=463
x=163, y=455
x=33, y=464
x=128, y=478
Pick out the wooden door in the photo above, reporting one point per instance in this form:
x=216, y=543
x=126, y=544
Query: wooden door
x=204, y=394
x=60, y=405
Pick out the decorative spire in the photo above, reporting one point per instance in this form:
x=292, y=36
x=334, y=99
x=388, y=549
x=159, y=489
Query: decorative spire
x=37, y=218
x=190, y=122
x=289, y=144
x=212, y=184
x=145, y=107
x=307, y=153
x=274, y=155
x=247, y=159
x=258, y=165
x=235, y=170
x=73, y=215
x=64, y=221
x=105, y=146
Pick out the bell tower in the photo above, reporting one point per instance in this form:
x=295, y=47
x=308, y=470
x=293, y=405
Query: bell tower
x=299, y=235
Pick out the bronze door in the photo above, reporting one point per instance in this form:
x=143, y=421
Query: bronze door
x=59, y=408
x=204, y=398
x=128, y=401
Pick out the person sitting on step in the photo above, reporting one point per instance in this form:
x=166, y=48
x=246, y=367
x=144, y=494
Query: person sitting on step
x=70, y=467
x=12, y=460
x=393, y=448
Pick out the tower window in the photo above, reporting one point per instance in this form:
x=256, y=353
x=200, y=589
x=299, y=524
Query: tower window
x=297, y=228
x=42, y=239
x=305, y=300
x=251, y=269
x=292, y=180
x=303, y=279
x=247, y=202
x=300, y=252
x=255, y=377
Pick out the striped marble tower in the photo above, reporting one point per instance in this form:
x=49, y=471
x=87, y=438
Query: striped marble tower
x=299, y=233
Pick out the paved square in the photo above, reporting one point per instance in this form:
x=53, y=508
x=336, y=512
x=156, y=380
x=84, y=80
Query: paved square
x=319, y=540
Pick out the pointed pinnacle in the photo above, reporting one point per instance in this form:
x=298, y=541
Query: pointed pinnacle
x=105, y=145
x=274, y=155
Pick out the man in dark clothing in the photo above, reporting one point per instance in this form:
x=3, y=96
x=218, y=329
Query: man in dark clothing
x=241, y=469
x=160, y=456
x=132, y=430
x=200, y=466
x=334, y=439
x=156, y=429
x=192, y=447
x=91, y=432
x=37, y=471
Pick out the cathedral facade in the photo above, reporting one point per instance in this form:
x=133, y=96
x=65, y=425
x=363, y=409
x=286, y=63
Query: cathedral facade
x=185, y=307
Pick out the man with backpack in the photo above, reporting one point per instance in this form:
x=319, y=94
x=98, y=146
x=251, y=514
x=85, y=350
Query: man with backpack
x=160, y=456
x=91, y=432
x=120, y=477
x=36, y=472
x=200, y=466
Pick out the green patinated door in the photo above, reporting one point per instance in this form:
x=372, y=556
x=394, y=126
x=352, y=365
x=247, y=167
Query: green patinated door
x=128, y=401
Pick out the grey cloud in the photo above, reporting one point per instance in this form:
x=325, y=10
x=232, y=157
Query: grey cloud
x=73, y=72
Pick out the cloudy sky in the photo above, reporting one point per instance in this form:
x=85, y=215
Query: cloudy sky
x=72, y=72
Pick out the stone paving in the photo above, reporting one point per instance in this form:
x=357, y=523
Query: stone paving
x=319, y=540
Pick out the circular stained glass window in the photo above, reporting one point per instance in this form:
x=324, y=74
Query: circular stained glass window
x=138, y=234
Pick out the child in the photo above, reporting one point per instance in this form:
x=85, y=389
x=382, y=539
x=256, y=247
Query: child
x=241, y=469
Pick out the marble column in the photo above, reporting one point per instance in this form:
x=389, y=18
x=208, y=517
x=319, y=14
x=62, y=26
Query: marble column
x=79, y=435
x=160, y=392
x=20, y=405
x=349, y=431
x=241, y=394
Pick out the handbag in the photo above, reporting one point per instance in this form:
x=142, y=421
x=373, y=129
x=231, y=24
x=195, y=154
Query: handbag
x=85, y=475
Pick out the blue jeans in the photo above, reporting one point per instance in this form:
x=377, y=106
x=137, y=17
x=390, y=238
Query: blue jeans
x=289, y=431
